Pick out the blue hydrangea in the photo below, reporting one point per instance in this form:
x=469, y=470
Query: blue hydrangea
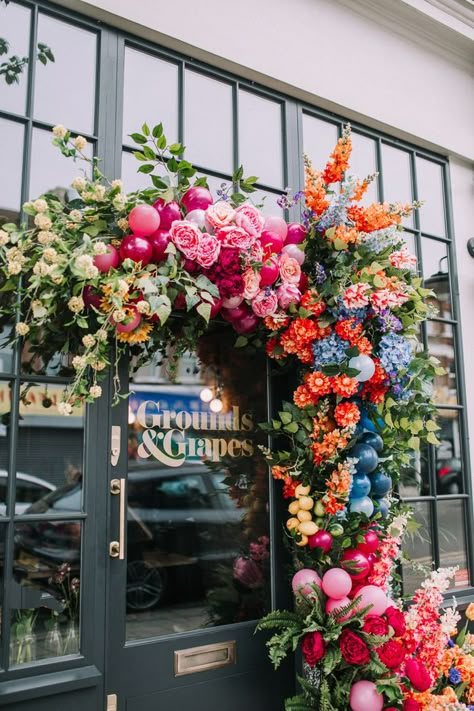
x=395, y=352
x=378, y=240
x=388, y=322
x=454, y=676
x=341, y=312
x=330, y=350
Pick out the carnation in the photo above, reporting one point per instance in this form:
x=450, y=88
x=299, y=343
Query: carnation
x=95, y=391
x=100, y=248
x=88, y=340
x=79, y=362
x=80, y=143
x=40, y=205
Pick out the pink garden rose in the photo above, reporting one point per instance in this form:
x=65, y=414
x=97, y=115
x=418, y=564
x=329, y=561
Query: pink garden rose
x=234, y=236
x=265, y=303
x=221, y=214
x=288, y=294
x=249, y=219
x=254, y=254
x=355, y=296
x=251, y=281
x=290, y=270
x=403, y=259
x=186, y=237
x=208, y=250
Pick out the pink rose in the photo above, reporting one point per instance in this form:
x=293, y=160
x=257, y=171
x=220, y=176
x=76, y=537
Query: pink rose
x=233, y=236
x=186, y=237
x=208, y=250
x=265, y=303
x=355, y=296
x=220, y=214
x=250, y=219
x=254, y=254
x=251, y=281
x=288, y=294
x=290, y=270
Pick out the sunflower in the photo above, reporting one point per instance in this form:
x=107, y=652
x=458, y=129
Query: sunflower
x=140, y=334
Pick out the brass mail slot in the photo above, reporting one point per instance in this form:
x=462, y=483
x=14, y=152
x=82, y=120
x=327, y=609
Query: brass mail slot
x=210, y=656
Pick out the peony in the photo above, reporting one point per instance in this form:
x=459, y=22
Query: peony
x=290, y=270
x=418, y=675
x=355, y=296
x=221, y=214
x=186, y=237
x=396, y=620
x=353, y=648
x=249, y=219
x=234, y=236
x=229, y=260
x=373, y=624
x=230, y=285
x=313, y=647
x=288, y=294
x=208, y=250
x=251, y=281
x=392, y=653
x=265, y=303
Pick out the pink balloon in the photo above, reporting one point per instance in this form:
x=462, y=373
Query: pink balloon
x=274, y=223
x=375, y=596
x=296, y=233
x=197, y=198
x=107, y=261
x=144, y=220
x=232, y=301
x=356, y=563
x=333, y=605
x=337, y=583
x=365, y=697
x=303, y=579
x=271, y=242
x=198, y=217
x=292, y=250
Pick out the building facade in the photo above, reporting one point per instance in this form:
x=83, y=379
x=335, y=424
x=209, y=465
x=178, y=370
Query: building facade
x=125, y=578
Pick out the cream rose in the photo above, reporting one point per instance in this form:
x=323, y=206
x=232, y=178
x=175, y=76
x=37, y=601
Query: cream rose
x=290, y=270
x=251, y=282
x=221, y=214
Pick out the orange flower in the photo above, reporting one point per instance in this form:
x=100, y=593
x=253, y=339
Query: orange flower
x=339, y=160
x=318, y=384
x=306, y=354
x=470, y=612
x=364, y=345
x=348, y=329
x=347, y=414
x=377, y=216
x=276, y=321
x=344, y=386
x=274, y=349
x=279, y=472
x=331, y=504
x=311, y=301
x=302, y=397
x=360, y=189
x=327, y=448
x=348, y=235
x=315, y=191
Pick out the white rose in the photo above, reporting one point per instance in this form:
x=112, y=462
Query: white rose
x=22, y=328
x=80, y=143
x=59, y=131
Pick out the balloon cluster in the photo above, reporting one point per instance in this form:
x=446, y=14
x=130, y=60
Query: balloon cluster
x=370, y=484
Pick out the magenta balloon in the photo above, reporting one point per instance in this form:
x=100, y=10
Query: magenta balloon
x=365, y=697
x=247, y=324
x=269, y=272
x=107, y=261
x=357, y=566
x=333, y=605
x=375, y=596
x=136, y=248
x=321, y=539
x=91, y=297
x=370, y=544
x=271, y=241
x=143, y=220
x=296, y=233
x=168, y=213
x=159, y=241
x=336, y=583
x=292, y=250
x=303, y=579
x=197, y=198
x=232, y=301
x=275, y=223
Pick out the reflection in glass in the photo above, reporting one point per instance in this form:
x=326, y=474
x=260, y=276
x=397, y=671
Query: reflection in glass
x=260, y=138
x=363, y=163
x=417, y=546
x=11, y=150
x=452, y=539
x=449, y=474
x=208, y=122
x=197, y=494
x=15, y=27
x=319, y=138
x=5, y=408
x=74, y=104
x=50, y=170
x=45, y=591
x=441, y=345
x=414, y=478
x=436, y=274
x=6, y=351
x=160, y=100
x=396, y=175
x=2, y=568
x=430, y=189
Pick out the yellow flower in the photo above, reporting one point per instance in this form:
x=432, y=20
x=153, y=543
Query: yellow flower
x=470, y=612
x=140, y=334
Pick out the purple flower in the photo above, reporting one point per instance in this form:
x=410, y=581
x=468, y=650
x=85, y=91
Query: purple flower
x=388, y=322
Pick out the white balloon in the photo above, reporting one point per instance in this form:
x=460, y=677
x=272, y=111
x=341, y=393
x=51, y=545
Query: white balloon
x=197, y=217
x=364, y=365
x=292, y=250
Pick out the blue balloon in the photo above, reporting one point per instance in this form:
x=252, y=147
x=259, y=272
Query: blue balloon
x=360, y=486
x=366, y=423
x=367, y=456
x=363, y=505
x=373, y=440
x=381, y=484
x=381, y=505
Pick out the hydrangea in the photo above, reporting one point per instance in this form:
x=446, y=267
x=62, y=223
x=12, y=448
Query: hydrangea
x=388, y=322
x=395, y=352
x=378, y=240
x=341, y=312
x=329, y=350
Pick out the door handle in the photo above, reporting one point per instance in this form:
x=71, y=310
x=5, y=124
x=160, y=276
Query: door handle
x=117, y=548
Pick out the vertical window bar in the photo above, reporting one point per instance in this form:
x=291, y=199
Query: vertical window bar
x=181, y=100
x=380, y=186
x=235, y=118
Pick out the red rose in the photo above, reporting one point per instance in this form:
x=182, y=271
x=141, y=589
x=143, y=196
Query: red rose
x=373, y=624
x=229, y=260
x=313, y=647
x=411, y=705
x=396, y=620
x=418, y=675
x=392, y=654
x=353, y=648
x=230, y=286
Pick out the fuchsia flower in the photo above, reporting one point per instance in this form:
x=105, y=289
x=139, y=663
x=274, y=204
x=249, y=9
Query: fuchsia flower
x=248, y=573
x=288, y=294
x=233, y=236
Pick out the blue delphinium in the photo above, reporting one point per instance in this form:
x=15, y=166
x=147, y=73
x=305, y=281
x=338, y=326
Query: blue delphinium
x=395, y=352
x=319, y=273
x=329, y=350
x=454, y=676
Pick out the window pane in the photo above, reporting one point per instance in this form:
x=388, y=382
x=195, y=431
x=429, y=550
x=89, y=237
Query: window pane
x=449, y=470
x=65, y=88
x=364, y=163
x=5, y=408
x=50, y=454
x=45, y=591
x=260, y=138
x=441, y=345
x=131, y=179
x=154, y=102
x=430, y=189
x=396, y=176
x=15, y=27
x=436, y=274
x=11, y=150
x=208, y=123
x=415, y=478
x=452, y=539
x=2, y=568
x=267, y=202
x=418, y=547
x=50, y=170
x=319, y=140
x=6, y=351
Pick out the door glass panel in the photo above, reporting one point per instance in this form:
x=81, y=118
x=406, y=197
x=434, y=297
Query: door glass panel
x=319, y=139
x=452, y=540
x=436, y=274
x=74, y=71
x=2, y=568
x=430, y=190
x=11, y=150
x=15, y=28
x=418, y=547
x=441, y=346
x=197, y=493
x=414, y=478
x=44, y=592
x=260, y=138
x=396, y=174
x=449, y=470
x=5, y=408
